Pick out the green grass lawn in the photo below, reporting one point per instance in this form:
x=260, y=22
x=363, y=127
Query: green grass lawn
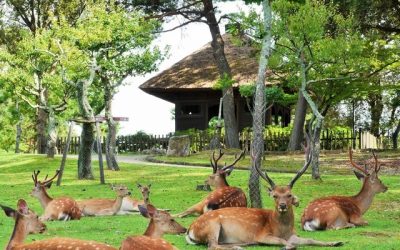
x=173, y=188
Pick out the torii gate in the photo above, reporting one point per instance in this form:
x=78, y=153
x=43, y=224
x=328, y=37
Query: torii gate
x=97, y=120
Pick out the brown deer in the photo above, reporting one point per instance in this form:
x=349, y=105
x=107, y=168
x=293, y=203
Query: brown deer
x=229, y=228
x=223, y=195
x=338, y=212
x=104, y=207
x=63, y=208
x=130, y=205
x=161, y=223
x=27, y=222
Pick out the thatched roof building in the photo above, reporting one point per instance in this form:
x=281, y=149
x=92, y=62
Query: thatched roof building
x=188, y=84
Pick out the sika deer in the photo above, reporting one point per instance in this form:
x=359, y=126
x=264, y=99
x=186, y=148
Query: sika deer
x=223, y=195
x=63, y=208
x=161, y=222
x=130, y=205
x=338, y=212
x=229, y=228
x=27, y=222
x=103, y=207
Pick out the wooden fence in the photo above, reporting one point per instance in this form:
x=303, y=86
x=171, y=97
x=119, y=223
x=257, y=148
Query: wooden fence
x=330, y=140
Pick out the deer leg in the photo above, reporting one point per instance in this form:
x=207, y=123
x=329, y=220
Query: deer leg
x=194, y=209
x=296, y=240
x=339, y=223
x=272, y=240
x=358, y=221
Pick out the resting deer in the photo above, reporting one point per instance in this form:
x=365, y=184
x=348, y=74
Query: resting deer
x=161, y=223
x=223, y=195
x=229, y=228
x=27, y=222
x=338, y=212
x=63, y=208
x=103, y=207
x=130, y=205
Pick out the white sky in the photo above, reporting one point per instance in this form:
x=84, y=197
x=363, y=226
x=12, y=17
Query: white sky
x=146, y=112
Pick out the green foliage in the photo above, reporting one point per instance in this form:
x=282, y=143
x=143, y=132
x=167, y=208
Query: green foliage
x=214, y=122
x=224, y=82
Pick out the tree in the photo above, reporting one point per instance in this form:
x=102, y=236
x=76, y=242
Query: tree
x=203, y=11
x=260, y=106
x=125, y=52
x=35, y=17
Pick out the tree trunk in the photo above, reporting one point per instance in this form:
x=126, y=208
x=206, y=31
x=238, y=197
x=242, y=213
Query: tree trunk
x=296, y=137
x=41, y=124
x=85, y=152
x=316, y=122
x=87, y=135
x=52, y=134
x=395, y=136
x=315, y=151
x=231, y=127
x=376, y=109
x=257, y=146
x=19, y=129
x=111, y=141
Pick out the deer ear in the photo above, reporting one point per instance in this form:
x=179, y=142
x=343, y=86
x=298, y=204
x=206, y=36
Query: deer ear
x=143, y=211
x=22, y=207
x=9, y=211
x=359, y=175
x=48, y=185
x=228, y=171
x=296, y=201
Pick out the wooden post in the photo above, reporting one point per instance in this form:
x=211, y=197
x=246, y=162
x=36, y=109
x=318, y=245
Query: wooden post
x=99, y=149
x=64, y=158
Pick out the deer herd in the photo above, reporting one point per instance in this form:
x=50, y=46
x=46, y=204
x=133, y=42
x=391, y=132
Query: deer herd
x=224, y=221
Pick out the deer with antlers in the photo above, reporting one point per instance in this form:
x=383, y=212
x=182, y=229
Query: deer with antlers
x=104, y=207
x=63, y=208
x=230, y=228
x=223, y=195
x=338, y=212
x=27, y=222
x=161, y=222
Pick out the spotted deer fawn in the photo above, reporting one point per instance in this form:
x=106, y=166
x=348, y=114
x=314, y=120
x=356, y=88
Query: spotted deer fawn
x=338, y=212
x=223, y=195
x=161, y=222
x=230, y=228
x=27, y=222
x=130, y=205
x=63, y=208
x=103, y=207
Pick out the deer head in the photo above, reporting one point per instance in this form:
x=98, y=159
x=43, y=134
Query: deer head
x=218, y=177
x=40, y=186
x=28, y=218
x=282, y=195
x=369, y=177
x=145, y=190
x=121, y=190
x=160, y=222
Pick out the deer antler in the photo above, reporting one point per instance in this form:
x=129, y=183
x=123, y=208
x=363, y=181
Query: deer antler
x=51, y=179
x=308, y=158
x=264, y=174
x=236, y=160
x=34, y=176
x=355, y=165
x=377, y=166
x=214, y=161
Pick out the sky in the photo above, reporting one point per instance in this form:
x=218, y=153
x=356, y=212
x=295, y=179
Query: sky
x=148, y=113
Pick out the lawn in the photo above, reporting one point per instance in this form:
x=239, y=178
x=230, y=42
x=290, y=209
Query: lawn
x=173, y=188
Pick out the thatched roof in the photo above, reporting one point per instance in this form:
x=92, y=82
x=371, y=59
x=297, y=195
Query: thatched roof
x=199, y=69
